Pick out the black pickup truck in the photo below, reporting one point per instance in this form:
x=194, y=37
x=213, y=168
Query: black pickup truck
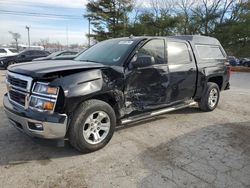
x=115, y=82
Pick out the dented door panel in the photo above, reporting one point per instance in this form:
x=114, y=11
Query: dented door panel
x=147, y=87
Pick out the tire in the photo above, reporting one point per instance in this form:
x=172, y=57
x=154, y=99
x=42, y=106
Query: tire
x=207, y=102
x=246, y=64
x=8, y=64
x=87, y=124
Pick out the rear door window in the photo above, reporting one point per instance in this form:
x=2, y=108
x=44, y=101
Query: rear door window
x=39, y=53
x=178, y=53
x=29, y=53
x=42, y=53
x=210, y=52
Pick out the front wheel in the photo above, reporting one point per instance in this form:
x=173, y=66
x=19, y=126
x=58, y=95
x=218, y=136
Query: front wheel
x=210, y=99
x=92, y=126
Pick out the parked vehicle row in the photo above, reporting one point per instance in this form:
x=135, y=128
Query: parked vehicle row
x=239, y=62
x=233, y=60
x=245, y=62
x=34, y=55
x=56, y=54
x=24, y=56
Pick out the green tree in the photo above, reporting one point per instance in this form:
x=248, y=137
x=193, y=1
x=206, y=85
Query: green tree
x=109, y=17
x=155, y=20
x=234, y=33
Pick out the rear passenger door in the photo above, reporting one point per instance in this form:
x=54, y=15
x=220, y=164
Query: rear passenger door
x=182, y=71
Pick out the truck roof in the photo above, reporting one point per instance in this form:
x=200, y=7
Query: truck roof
x=197, y=39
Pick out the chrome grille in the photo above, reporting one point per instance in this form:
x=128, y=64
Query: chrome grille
x=17, y=97
x=19, y=88
x=17, y=82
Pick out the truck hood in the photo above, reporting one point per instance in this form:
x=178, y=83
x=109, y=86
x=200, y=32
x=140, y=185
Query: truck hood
x=42, y=69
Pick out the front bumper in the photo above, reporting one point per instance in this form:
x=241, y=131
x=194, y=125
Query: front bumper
x=51, y=126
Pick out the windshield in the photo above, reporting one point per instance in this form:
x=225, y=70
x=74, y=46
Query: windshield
x=109, y=52
x=13, y=50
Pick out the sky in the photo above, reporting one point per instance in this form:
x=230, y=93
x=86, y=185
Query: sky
x=53, y=27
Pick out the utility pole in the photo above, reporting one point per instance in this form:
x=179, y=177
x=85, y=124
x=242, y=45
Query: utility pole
x=28, y=29
x=89, y=32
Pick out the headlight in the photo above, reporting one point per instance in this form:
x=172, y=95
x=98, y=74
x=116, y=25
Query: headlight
x=44, y=89
x=42, y=104
x=43, y=97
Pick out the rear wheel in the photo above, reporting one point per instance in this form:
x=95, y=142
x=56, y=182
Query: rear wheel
x=92, y=126
x=210, y=99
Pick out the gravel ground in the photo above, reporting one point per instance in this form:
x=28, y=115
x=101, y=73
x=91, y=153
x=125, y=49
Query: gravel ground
x=186, y=148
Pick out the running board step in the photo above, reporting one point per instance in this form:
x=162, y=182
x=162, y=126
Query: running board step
x=156, y=113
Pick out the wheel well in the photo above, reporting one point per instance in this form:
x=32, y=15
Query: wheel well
x=218, y=80
x=108, y=98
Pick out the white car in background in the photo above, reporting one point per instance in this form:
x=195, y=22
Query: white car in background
x=8, y=52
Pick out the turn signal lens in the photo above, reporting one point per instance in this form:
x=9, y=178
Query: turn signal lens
x=42, y=104
x=48, y=105
x=52, y=90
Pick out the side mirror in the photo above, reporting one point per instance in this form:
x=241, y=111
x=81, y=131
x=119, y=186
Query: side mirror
x=142, y=61
x=22, y=56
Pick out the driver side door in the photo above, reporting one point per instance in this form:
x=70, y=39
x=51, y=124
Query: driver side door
x=147, y=79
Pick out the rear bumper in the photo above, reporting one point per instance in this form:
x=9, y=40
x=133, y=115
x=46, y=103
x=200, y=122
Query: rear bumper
x=36, y=124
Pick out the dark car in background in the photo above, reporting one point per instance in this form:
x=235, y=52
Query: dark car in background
x=68, y=57
x=24, y=56
x=65, y=57
x=233, y=60
x=56, y=55
x=245, y=62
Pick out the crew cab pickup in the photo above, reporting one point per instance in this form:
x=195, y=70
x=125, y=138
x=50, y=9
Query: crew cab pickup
x=115, y=82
